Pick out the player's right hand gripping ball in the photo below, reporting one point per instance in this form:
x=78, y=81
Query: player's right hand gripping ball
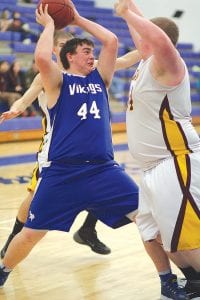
x=61, y=12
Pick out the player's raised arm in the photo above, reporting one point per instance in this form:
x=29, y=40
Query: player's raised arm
x=131, y=6
x=49, y=70
x=109, y=41
x=154, y=41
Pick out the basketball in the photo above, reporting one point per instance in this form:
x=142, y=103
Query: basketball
x=61, y=12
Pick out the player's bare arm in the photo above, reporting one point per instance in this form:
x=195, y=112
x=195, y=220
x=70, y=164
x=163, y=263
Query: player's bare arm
x=43, y=57
x=127, y=60
x=120, y=8
x=167, y=65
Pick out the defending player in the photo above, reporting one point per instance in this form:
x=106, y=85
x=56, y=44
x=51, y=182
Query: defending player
x=163, y=141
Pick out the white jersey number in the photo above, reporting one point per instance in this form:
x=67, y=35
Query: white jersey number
x=83, y=111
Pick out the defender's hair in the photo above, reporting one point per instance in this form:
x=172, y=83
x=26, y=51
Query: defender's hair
x=169, y=27
x=60, y=34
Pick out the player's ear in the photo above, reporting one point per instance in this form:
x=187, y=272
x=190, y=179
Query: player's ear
x=69, y=56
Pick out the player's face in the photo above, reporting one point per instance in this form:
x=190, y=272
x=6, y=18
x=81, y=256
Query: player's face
x=84, y=58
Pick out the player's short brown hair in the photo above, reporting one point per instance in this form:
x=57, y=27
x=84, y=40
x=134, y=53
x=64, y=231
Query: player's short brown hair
x=169, y=27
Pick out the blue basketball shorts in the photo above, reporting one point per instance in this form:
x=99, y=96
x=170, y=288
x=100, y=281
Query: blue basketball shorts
x=65, y=190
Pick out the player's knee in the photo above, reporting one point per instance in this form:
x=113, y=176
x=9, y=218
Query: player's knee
x=30, y=236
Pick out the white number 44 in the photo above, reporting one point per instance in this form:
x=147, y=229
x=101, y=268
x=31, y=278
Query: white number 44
x=83, y=111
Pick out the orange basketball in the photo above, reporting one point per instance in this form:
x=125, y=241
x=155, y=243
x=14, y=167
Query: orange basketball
x=61, y=12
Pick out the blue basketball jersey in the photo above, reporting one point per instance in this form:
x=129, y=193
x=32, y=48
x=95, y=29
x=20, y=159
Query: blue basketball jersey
x=80, y=121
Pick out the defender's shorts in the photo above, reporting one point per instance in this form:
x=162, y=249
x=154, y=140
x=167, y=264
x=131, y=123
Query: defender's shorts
x=34, y=179
x=38, y=165
x=169, y=202
x=64, y=191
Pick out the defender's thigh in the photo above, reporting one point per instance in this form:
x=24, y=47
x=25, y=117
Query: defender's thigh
x=145, y=221
x=33, y=182
x=173, y=189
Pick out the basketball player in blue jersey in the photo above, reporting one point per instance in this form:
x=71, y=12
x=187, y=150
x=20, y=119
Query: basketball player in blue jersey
x=87, y=234
x=164, y=143
x=79, y=171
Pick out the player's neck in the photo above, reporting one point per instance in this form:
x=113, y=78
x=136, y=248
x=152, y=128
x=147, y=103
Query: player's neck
x=75, y=71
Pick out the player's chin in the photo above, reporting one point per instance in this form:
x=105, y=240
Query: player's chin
x=89, y=69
